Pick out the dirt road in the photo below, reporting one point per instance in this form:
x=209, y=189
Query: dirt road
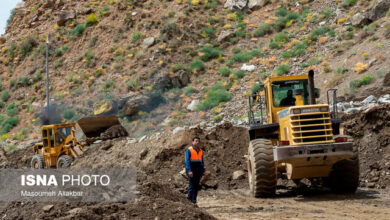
x=237, y=204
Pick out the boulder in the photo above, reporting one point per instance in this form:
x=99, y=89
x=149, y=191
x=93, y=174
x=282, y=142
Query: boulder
x=192, y=105
x=358, y=20
x=2, y=40
x=239, y=174
x=369, y=99
x=249, y=68
x=386, y=80
x=183, y=77
x=135, y=102
x=379, y=9
x=235, y=4
x=225, y=35
x=65, y=16
x=353, y=110
x=177, y=130
x=385, y=99
x=253, y=4
x=148, y=42
x=47, y=208
x=49, y=4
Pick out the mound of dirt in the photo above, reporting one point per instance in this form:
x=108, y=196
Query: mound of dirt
x=154, y=201
x=371, y=132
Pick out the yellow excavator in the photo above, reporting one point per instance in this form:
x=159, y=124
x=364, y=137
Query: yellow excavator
x=62, y=143
x=292, y=137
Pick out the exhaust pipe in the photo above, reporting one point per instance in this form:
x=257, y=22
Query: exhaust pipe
x=311, y=88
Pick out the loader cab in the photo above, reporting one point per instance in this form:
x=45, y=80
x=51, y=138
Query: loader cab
x=284, y=91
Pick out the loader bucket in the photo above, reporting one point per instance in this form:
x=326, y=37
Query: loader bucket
x=99, y=127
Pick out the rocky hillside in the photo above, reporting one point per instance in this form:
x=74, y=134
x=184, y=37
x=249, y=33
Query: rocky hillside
x=163, y=64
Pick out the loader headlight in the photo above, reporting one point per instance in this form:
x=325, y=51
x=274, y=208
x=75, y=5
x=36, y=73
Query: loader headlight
x=324, y=109
x=296, y=111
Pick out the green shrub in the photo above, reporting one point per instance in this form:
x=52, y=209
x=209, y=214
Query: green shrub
x=196, y=65
x=255, y=52
x=209, y=52
x=297, y=50
x=282, y=70
x=225, y=71
x=342, y=70
x=27, y=46
x=256, y=87
x=217, y=118
x=292, y=16
x=58, y=52
x=236, y=50
x=9, y=149
x=263, y=30
x=215, y=95
x=274, y=45
x=11, y=17
x=92, y=19
x=239, y=74
x=208, y=32
x=367, y=80
x=105, y=10
x=311, y=62
x=280, y=23
x=327, y=13
x=135, y=37
x=8, y=124
x=69, y=114
x=12, y=83
x=65, y=48
x=281, y=38
x=5, y=95
x=78, y=30
x=241, y=57
x=11, y=109
x=281, y=12
x=132, y=85
x=319, y=32
x=188, y=91
x=348, y=3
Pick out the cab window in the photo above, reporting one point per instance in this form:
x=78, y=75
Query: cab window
x=283, y=92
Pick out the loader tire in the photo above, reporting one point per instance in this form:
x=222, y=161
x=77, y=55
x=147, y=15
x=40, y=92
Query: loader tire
x=261, y=168
x=344, y=176
x=37, y=162
x=64, y=161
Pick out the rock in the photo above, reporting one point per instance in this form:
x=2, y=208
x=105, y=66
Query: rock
x=47, y=208
x=135, y=102
x=358, y=20
x=162, y=80
x=107, y=145
x=384, y=99
x=177, y=130
x=239, y=174
x=143, y=153
x=75, y=211
x=379, y=10
x=322, y=23
x=249, y=68
x=386, y=80
x=148, y=42
x=65, y=16
x=2, y=40
x=352, y=110
x=235, y=4
x=253, y=4
x=49, y=4
x=225, y=35
x=183, y=173
x=371, y=62
x=182, y=78
x=369, y=99
x=370, y=185
x=142, y=139
x=192, y=105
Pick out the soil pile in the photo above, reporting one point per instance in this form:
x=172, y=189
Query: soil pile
x=154, y=200
x=371, y=132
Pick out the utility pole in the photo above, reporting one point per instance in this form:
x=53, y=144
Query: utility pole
x=47, y=79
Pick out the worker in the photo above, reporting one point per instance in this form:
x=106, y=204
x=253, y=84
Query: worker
x=288, y=100
x=194, y=168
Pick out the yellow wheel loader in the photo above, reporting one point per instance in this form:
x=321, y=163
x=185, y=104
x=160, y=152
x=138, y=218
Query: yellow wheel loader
x=64, y=142
x=292, y=137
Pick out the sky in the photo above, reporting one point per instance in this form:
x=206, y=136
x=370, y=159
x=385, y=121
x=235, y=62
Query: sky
x=5, y=9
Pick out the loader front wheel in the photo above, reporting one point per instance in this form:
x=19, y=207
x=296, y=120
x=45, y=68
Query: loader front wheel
x=64, y=161
x=261, y=168
x=37, y=162
x=344, y=177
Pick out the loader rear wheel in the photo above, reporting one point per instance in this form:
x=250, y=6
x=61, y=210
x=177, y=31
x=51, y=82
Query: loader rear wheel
x=261, y=168
x=344, y=177
x=37, y=162
x=64, y=161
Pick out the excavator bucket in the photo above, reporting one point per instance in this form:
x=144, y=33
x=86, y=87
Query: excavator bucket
x=90, y=129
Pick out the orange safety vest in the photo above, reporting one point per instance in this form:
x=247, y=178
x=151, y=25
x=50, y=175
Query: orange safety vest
x=195, y=157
